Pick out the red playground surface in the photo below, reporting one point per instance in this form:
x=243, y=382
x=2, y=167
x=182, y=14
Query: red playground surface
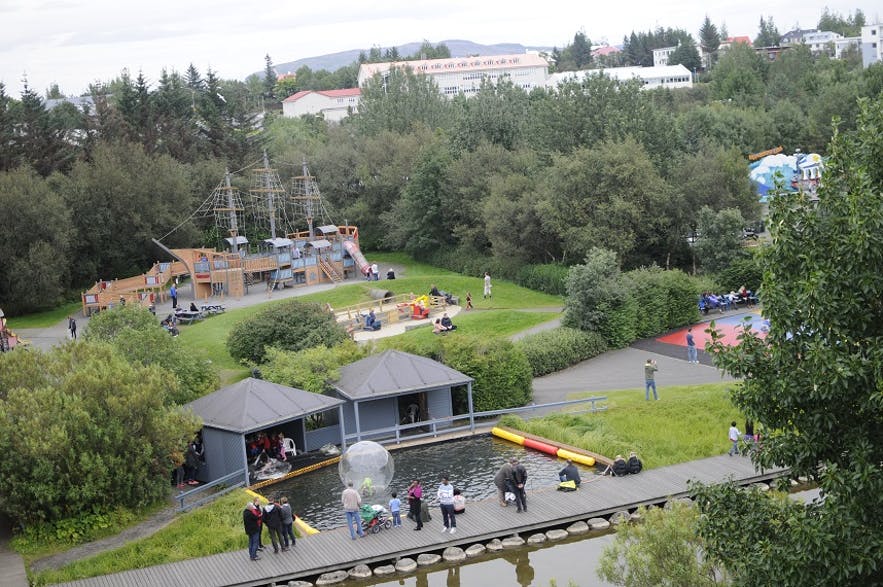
x=729, y=326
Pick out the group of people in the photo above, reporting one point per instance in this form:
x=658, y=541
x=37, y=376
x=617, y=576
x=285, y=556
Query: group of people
x=443, y=324
x=187, y=464
x=279, y=520
x=266, y=445
x=709, y=301
x=510, y=480
x=372, y=273
x=622, y=467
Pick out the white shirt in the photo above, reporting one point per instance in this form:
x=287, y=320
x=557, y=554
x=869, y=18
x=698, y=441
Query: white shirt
x=446, y=494
x=734, y=433
x=374, y=268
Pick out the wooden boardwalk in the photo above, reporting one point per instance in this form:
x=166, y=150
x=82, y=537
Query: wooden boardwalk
x=482, y=521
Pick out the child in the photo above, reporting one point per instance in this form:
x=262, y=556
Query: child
x=395, y=508
x=468, y=300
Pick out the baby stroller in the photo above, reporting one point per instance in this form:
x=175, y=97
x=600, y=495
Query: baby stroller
x=374, y=518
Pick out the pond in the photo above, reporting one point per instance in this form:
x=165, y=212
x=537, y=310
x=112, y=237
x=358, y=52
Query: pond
x=470, y=463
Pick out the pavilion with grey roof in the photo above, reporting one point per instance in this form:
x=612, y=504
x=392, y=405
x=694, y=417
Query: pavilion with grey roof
x=254, y=405
x=381, y=392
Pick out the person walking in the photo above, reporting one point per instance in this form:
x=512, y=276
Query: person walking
x=468, y=300
x=395, y=508
x=72, y=326
x=487, y=285
x=287, y=515
x=173, y=293
x=446, y=502
x=352, y=501
x=415, y=503
x=519, y=478
x=503, y=479
x=273, y=522
x=692, y=355
x=252, y=521
x=649, y=379
x=734, y=435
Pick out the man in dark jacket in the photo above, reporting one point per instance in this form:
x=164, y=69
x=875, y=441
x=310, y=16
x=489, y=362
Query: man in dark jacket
x=569, y=473
x=251, y=520
x=502, y=479
x=273, y=522
x=519, y=478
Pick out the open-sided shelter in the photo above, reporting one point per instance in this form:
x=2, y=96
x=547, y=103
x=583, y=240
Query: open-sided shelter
x=253, y=405
x=393, y=388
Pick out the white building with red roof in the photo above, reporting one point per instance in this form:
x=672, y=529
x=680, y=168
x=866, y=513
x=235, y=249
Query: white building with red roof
x=332, y=105
x=463, y=75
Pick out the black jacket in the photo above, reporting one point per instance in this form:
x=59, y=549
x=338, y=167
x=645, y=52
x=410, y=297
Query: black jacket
x=273, y=517
x=250, y=520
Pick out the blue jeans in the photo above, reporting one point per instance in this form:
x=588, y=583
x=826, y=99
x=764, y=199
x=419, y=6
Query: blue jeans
x=397, y=518
x=692, y=355
x=648, y=384
x=288, y=535
x=254, y=541
x=448, y=517
x=351, y=519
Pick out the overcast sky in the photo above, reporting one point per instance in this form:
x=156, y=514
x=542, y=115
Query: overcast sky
x=75, y=42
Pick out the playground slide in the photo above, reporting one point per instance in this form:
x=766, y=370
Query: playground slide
x=353, y=249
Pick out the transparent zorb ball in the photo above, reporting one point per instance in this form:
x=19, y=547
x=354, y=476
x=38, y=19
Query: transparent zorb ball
x=369, y=466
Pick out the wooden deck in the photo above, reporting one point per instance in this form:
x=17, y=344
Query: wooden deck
x=482, y=521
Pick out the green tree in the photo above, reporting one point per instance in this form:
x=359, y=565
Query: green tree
x=768, y=34
x=719, y=244
x=739, y=76
x=709, y=40
x=812, y=383
x=311, y=369
x=83, y=430
x=399, y=101
x=687, y=55
x=290, y=325
x=663, y=549
x=269, y=78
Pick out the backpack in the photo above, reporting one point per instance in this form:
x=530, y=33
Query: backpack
x=567, y=486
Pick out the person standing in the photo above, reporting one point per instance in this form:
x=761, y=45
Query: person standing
x=72, y=326
x=415, y=503
x=173, y=293
x=692, y=355
x=446, y=502
x=375, y=272
x=487, y=285
x=287, y=524
x=569, y=473
x=734, y=436
x=650, y=379
x=273, y=521
x=468, y=300
x=352, y=501
x=252, y=521
x=519, y=478
x=502, y=480
x=395, y=508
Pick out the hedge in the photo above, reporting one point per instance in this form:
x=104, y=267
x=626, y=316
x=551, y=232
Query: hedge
x=553, y=350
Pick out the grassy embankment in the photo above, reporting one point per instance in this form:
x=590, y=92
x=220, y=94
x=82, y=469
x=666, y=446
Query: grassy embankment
x=499, y=316
x=687, y=423
x=47, y=318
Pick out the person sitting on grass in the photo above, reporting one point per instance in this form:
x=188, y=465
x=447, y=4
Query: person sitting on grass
x=437, y=328
x=634, y=463
x=446, y=322
x=619, y=468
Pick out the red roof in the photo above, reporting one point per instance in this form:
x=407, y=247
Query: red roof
x=734, y=40
x=608, y=50
x=344, y=93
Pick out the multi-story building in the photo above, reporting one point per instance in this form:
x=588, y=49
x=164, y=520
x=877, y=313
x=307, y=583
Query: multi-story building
x=463, y=75
x=333, y=105
x=872, y=48
x=660, y=56
x=667, y=76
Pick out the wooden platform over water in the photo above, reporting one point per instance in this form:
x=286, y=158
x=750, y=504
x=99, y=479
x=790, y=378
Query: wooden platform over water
x=482, y=521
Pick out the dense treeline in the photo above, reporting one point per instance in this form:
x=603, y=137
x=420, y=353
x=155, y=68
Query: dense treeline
x=501, y=181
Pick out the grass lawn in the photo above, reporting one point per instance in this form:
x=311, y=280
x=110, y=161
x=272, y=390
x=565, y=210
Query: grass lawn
x=211, y=529
x=687, y=423
x=491, y=324
x=47, y=318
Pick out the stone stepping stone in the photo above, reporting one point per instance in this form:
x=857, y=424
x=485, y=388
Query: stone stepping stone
x=556, y=534
x=384, y=570
x=536, y=539
x=495, y=545
x=620, y=517
x=360, y=572
x=760, y=486
x=298, y=584
x=453, y=554
x=426, y=559
x=513, y=541
x=406, y=565
x=332, y=578
x=598, y=523
x=577, y=528
x=475, y=550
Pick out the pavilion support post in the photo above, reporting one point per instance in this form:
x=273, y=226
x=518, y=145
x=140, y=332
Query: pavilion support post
x=303, y=430
x=244, y=462
x=471, y=409
x=358, y=424
x=342, y=427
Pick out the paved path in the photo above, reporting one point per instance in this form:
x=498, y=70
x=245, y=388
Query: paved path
x=12, y=566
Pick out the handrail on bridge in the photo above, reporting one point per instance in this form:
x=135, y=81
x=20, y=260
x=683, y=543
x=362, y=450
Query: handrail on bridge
x=237, y=476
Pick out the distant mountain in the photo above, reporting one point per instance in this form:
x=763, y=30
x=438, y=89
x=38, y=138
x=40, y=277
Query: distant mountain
x=457, y=47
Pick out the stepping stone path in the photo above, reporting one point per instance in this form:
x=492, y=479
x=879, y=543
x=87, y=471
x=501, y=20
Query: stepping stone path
x=406, y=565
x=495, y=545
x=536, y=539
x=332, y=578
x=360, y=572
x=598, y=523
x=577, y=528
x=513, y=541
x=385, y=570
x=620, y=517
x=475, y=550
x=298, y=584
x=454, y=554
x=556, y=534
x=426, y=559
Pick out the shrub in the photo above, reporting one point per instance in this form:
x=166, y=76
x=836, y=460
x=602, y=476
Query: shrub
x=290, y=325
x=553, y=350
x=550, y=278
x=745, y=272
x=109, y=324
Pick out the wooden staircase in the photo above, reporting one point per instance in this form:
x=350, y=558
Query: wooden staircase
x=330, y=270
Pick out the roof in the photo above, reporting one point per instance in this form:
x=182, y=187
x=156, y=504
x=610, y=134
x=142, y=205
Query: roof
x=741, y=39
x=344, y=93
x=319, y=243
x=254, y=404
x=457, y=64
x=621, y=73
x=328, y=229
x=240, y=240
x=279, y=242
x=608, y=50
x=394, y=373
